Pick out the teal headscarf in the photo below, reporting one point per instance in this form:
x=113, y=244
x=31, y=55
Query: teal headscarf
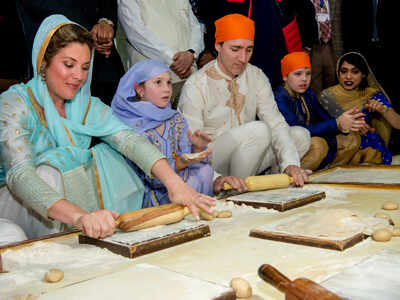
x=96, y=123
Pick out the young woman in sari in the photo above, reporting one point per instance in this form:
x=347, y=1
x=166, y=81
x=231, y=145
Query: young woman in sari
x=300, y=107
x=142, y=102
x=54, y=180
x=357, y=86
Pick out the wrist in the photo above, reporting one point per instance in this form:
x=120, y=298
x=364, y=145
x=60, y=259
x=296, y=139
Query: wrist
x=384, y=109
x=107, y=21
x=192, y=52
x=340, y=126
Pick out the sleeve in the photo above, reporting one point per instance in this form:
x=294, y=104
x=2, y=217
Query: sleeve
x=17, y=157
x=136, y=148
x=109, y=10
x=191, y=104
x=139, y=36
x=196, y=34
x=267, y=111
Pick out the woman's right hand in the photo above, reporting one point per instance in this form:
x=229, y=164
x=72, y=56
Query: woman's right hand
x=351, y=120
x=98, y=224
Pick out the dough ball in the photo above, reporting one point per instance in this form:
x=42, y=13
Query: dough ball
x=205, y=216
x=54, y=275
x=224, y=214
x=382, y=235
x=383, y=216
x=396, y=231
x=390, y=205
x=241, y=287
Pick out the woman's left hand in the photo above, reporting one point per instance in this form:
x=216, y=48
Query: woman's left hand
x=199, y=140
x=181, y=193
x=375, y=105
x=299, y=175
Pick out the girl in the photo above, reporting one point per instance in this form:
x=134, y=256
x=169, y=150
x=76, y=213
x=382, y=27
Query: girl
x=142, y=101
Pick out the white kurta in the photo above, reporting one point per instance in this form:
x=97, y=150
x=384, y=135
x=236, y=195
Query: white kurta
x=207, y=104
x=157, y=29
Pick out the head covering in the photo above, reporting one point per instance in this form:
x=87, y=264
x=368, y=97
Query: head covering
x=140, y=115
x=232, y=27
x=293, y=61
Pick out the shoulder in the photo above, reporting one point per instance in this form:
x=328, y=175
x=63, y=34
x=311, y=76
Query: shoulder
x=11, y=102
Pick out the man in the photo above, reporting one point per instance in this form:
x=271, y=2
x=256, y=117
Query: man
x=224, y=97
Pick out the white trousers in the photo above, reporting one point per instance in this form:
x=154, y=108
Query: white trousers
x=16, y=215
x=246, y=150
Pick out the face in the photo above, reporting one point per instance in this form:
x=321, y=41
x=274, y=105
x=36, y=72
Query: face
x=67, y=71
x=349, y=76
x=157, y=90
x=234, y=55
x=299, y=80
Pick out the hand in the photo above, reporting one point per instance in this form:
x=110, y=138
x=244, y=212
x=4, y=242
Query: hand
x=181, y=193
x=375, y=105
x=199, y=140
x=364, y=130
x=98, y=224
x=351, y=119
x=186, y=160
x=205, y=58
x=102, y=34
x=182, y=62
x=299, y=175
x=235, y=182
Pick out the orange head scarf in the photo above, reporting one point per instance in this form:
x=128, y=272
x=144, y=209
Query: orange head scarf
x=294, y=61
x=232, y=27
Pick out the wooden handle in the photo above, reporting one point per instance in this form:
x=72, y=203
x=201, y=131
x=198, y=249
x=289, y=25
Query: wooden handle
x=152, y=216
x=265, y=182
x=301, y=288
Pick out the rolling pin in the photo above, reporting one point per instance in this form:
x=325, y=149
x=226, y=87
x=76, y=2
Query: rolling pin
x=152, y=216
x=265, y=182
x=299, y=289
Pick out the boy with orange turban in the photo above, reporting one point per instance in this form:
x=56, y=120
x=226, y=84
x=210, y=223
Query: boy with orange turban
x=224, y=98
x=300, y=107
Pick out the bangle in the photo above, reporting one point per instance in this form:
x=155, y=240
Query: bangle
x=385, y=109
x=340, y=127
x=107, y=21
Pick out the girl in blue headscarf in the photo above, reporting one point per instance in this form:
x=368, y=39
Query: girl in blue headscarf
x=54, y=179
x=142, y=102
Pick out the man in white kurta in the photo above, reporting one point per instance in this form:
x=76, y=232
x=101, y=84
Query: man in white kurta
x=223, y=99
x=164, y=30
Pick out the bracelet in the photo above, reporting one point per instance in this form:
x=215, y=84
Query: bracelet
x=385, y=109
x=107, y=21
x=340, y=127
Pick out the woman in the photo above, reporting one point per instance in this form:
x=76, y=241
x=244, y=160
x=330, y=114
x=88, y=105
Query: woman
x=142, y=102
x=54, y=179
x=357, y=85
x=300, y=107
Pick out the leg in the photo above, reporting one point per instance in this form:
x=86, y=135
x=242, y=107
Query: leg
x=10, y=232
x=240, y=151
x=317, y=153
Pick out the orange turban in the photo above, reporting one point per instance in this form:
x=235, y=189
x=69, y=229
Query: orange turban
x=232, y=27
x=294, y=61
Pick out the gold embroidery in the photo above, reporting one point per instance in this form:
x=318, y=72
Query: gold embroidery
x=50, y=144
x=38, y=108
x=87, y=111
x=17, y=131
x=25, y=126
x=68, y=150
x=72, y=159
x=13, y=115
x=69, y=135
x=19, y=149
x=41, y=133
x=5, y=123
x=5, y=105
x=96, y=176
x=58, y=154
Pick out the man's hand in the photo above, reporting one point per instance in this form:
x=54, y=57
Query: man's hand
x=102, y=34
x=236, y=183
x=205, y=58
x=199, y=140
x=299, y=175
x=182, y=62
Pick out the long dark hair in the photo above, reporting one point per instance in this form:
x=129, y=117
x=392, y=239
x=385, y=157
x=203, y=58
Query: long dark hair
x=359, y=62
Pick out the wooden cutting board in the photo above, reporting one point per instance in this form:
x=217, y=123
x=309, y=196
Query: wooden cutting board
x=141, y=242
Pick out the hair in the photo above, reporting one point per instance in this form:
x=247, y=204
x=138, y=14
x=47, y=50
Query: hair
x=65, y=35
x=359, y=62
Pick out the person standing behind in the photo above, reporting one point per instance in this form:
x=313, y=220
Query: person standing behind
x=223, y=99
x=331, y=142
x=164, y=30
x=97, y=16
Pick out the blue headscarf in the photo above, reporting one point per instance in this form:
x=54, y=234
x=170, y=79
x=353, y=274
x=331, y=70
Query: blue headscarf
x=82, y=123
x=140, y=115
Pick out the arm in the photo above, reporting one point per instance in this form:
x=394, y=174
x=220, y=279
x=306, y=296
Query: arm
x=139, y=36
x=379, y=103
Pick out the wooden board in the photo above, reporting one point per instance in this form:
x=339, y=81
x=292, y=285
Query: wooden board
x=376, y=277
x=289, y=230
x=279, y=199
x=144, y=281
x=381, y=176
x=176, y=234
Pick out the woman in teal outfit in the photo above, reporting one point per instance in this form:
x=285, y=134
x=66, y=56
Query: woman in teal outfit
x=54, y=180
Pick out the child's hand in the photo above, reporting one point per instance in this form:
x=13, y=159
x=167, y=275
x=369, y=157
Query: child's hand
x=190, y=158
x=199, y=140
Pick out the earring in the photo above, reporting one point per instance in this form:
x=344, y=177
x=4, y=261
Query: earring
x=43, y=73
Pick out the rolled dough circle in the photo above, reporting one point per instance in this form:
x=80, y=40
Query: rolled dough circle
x=390, y=205
x=382, y=235
x=241, y=287
x=396, y=231
x=53, y=275
x=224, y=214
x=383, y=216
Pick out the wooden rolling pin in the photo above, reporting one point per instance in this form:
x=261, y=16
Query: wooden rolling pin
x=265, y=182
x=299, y=289
x=152, y=216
